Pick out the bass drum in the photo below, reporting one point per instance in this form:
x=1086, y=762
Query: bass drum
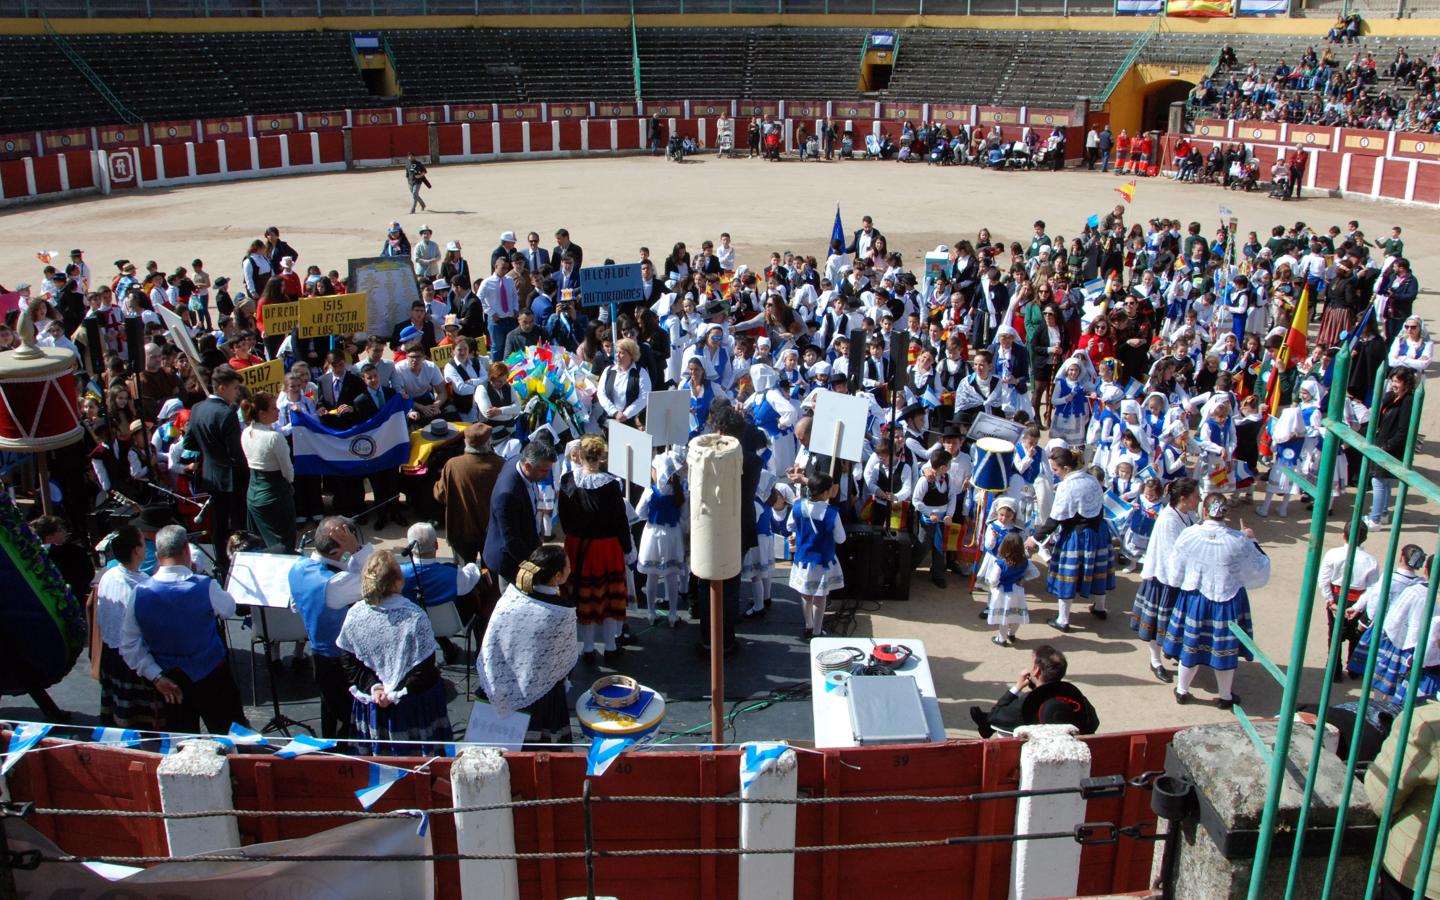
x=42, y=626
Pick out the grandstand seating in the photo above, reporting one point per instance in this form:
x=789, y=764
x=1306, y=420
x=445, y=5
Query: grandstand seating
x=573, y=63
x=454, y=65
x=39, y=88
x=691, y=63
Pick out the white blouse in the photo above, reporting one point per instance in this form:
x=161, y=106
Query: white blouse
x=266, y=450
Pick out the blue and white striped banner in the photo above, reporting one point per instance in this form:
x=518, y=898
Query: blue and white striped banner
x=302, y=744
x=381, y=778
x=603, y=752
x=1140, y=7
x=757, y=758
x=380, y=442
x=116, y=737
x=22, y=739
x=1263, y=7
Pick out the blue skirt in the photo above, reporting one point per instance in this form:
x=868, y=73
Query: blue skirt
x=1081, y=565
x=1392, y=669
x=1429, y=685
x=1151, y=612
x=419, y=717
x=1198, y=632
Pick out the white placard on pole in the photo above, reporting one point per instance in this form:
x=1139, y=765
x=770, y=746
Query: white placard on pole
x=179, y=333
x=630, y=453
x=667, y=417
x=850, y=414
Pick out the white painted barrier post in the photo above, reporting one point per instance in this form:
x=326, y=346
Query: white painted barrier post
x=1051, y=758
x=768, y=826
x=480, y=776
x=195, y=779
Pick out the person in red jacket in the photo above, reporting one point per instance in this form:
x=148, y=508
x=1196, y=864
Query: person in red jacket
x=1122, y=152
x=1140, y=147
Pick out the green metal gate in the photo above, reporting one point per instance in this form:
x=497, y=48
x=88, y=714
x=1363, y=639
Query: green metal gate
x=1338, y=437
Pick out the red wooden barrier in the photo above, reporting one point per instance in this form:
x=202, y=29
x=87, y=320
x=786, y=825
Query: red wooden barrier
x=79, y=168
x=541, y=137
x=237, y=155
x=47, y=175
x=268, y=149
x=300, y=149
x=177, y=160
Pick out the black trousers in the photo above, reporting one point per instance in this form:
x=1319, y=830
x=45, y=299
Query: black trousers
x=214, y=700
x=729, y=610
x=227, y=512
x=335, y=698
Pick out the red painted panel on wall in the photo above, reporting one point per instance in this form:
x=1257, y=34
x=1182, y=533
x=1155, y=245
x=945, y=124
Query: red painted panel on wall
x=81, y=171
x=1394, y=179
x=177, y=161
x=12, y=178
x=332, y=147
x=451, y=139
x=1327, y=171
x=570, y=134
x=1362, y=173
x=511, y=137
x=541, y=137
x=207, y=159
x=47, y=175
x=238, y=156
x=148, y=169
x=599, y=132
x=301, y=153
x=1427, y=184
x=269, y=150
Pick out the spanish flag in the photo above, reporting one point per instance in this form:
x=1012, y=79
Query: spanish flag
x=1200, y=8
x=1127, y=191
x=1288, y=357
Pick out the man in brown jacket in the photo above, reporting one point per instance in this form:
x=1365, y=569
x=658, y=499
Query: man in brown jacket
x=464, y=490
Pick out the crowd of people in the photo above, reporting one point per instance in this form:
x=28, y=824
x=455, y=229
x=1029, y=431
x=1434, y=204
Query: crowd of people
x=1321, y=88
x=1139, y=369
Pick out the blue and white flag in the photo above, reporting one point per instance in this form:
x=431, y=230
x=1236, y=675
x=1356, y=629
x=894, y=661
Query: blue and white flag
x=22, y=739
x=116, y=737
x=837, y=232
x=380, y=442
x=603, y=752
x=1092, y=289
x=242, y=735
x=930, y=399
x=757, y=758
x=1133, y=388
x=1093, y=221
x=381, y=777
x=1138, y=7
x=302, y=744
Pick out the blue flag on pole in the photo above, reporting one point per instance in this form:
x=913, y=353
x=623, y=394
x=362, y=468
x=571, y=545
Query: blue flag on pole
x=837, y=232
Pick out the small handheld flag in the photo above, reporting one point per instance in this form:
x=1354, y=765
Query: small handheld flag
x=837, y=232
x=1092, y=222
x=1127, y=191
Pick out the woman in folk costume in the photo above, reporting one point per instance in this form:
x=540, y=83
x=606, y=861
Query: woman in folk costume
x=529, y=648
x=1006, y=578
x=389, y=656
x=1071, y=417
x=712, y=348
x=1409, y=572
x=593, y=513
x=467, y=375
x=1029, y=463
x=1398, y=633
x=700, y=387
x=1296, y=437
x=791, y=374
x=774, y=413
x=1215, y=449
x=1155, y=599
x=1103, y=435
x=757, y=562
x=815, y=529
x=662, y=558
x=923, y=379
x=1081, y=565
x=1214, y=566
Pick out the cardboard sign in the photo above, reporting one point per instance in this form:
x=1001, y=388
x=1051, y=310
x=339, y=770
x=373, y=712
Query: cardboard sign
x=488, y=727
x=179, y=333
x=268, y=376
x=441, y=355
x=667, y=417
x=839, y=426
x=607, y=285
x=630, y=453
x=318, y=316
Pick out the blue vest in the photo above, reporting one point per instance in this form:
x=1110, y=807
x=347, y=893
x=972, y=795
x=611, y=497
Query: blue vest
x=308, y=580
x=437, y=580
x=663, y=509
x=815, y=543
x=178, y=625
x=700, y=408
x=767, y=419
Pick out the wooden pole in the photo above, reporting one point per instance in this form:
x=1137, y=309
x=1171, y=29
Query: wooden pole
x=835, y=452
x=717, y=661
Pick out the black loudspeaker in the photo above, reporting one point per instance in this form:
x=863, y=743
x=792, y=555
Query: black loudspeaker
x=135, y=343
x=899, y=361
x=94, y=345
x=856, y=360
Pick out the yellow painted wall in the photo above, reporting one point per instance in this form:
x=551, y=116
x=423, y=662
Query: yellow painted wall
x=1249, y=25
x=1127, y=101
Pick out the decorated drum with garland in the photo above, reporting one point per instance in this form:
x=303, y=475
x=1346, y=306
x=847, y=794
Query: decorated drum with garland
x=37, y=394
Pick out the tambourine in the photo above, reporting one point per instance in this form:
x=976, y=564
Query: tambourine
x=629, y=686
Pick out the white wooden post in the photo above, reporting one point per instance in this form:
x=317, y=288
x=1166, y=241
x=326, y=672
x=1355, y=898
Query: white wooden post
x=1051, y=758
x=481, y=777
x=769, y=826
x=197, y=778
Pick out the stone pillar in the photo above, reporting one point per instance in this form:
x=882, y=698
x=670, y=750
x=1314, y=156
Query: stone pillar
x=1216, y=846
x=481, y=777
x=197, y=778
x=767, y=826
x=1051, y=758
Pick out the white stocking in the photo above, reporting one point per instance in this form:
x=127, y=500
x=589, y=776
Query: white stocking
x=611, y=629
x=1156, y=657
x=1064, y=616
x=655, y=591
x=1224, y=680
x=757, y=593
x=1100, y=603
x=587, y=635
x=1187, y=677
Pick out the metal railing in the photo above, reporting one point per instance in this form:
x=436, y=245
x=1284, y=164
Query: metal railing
x=251, y=9
x=1136, y=49
x=1338, y=438
x=78, y=61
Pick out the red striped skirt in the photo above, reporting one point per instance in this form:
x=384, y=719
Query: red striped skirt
x=597, y=578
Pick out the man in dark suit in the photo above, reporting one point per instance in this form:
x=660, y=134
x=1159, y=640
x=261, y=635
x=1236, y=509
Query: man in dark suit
x=504, y=248
x=564, y=245
x=649, y=284
x=864, y=238
x=535, y=255
x=214, y=433
x=1041, y=696
x=513, y=533
x=384, y=484
x=339, y=387
x=567, y=277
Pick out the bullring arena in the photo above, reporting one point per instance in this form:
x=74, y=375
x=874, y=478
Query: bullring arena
x=178, y=188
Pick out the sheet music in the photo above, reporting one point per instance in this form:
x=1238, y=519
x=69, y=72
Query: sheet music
x=261, y=579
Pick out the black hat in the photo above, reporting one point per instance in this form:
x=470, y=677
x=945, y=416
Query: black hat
x=911, y=410
x=222, y=281
x=838, y=378
x=153, y=518
x=952, y=429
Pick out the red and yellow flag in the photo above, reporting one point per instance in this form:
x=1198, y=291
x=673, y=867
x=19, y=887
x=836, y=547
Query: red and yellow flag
x=1127, y=191
x=1292, y=351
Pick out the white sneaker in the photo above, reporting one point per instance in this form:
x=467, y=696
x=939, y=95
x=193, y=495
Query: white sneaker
x=1372, y=524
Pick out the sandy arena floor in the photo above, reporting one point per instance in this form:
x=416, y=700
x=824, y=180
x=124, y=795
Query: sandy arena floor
x=613, y=206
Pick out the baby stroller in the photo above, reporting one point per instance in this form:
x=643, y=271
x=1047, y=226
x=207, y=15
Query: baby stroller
x=1244, y=176
x=772, y=144
x=872, y=147
x=675, y=150
x=725, y=138
x=847, y=146
x=940, y=153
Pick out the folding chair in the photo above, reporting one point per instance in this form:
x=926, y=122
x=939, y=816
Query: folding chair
x=445, y=619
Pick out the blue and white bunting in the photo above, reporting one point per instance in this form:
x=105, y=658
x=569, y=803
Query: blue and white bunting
x=302, y=744
x=756, y=758
x=381, y=778
x=603, y=752
x=380, y=442
x=21, y=740
x=242, y=735
x=116, y=737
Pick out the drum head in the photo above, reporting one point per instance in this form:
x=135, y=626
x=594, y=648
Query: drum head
x=995, y=445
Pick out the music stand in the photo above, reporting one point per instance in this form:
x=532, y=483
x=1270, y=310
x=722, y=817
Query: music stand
x=261, y=580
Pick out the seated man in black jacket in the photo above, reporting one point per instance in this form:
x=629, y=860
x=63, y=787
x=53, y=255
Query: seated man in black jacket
x=1041, y=696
